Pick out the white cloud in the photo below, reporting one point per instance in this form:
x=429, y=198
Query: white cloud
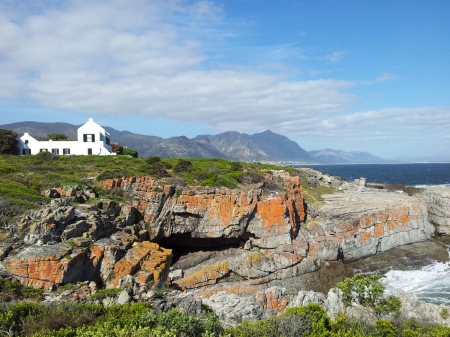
x=387, y=77
x=335, y=56
x=147, y=59
x=392, y=125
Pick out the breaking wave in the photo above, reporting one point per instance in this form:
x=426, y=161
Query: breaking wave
x=430, y=284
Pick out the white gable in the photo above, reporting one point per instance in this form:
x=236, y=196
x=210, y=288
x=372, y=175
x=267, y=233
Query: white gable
x=91, y=139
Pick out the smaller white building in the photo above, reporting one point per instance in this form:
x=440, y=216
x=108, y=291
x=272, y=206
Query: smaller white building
x=92, y=139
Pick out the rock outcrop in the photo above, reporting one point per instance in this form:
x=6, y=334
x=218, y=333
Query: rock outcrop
x=438, y=201
x=269, y=227
x=244, y=252
x=99, y=242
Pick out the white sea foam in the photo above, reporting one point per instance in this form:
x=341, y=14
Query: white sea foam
x=433, y=186
x=430, y=284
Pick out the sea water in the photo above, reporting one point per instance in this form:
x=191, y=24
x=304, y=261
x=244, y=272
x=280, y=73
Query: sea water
x=421, y=175
x=430, y=283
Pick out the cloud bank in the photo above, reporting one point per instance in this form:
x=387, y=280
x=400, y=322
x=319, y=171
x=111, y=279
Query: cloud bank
x=151, y=59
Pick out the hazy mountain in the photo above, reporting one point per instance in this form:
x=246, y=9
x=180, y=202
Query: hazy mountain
x=40, y=130
x=279, y=147
x=343, y=157
x=234, y=145
x=182, y=147
x=259, y=146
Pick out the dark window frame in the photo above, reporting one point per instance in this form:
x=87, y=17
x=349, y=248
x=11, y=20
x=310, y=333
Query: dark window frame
x=91, y=138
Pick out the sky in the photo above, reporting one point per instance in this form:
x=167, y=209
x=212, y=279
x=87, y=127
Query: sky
x=355, y=75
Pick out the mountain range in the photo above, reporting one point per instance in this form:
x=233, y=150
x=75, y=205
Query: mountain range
x=263, y=146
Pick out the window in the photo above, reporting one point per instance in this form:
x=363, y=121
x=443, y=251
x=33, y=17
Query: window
x=107, y=141
x=55, y=151
x=26, y=151
x=89, y=151
x=26, y=141
x=43, y=150
x=88, y=138
x=66, y=151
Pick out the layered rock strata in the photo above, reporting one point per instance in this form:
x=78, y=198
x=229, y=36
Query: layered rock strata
x=438, y=201
x=270, y=227
x=264, y=234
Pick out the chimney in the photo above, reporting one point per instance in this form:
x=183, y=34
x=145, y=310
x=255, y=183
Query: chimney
x=91, y=119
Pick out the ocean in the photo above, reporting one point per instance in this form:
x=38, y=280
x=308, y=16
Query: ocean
x=416, y=175
x=430, y=283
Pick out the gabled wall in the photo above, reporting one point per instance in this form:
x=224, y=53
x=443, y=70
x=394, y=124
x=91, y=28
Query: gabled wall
x=92, y=139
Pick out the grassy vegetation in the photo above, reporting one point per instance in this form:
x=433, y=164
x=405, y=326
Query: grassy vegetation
x=14, y=291
x=313, y=194
x=23, y=177
x=129, y=320
x=139, y=320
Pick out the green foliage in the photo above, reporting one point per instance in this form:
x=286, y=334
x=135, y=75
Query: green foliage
x=130, y=152
x=312, y=312
x=236, y=166
x=23, y=177
x=444, y=313
x=104, y=293
x=67, y=286
x=385, y=328
x=182, y=166
x=50, y=318
x=56, y=137
x=14, y=290
x=367, y=290
x=152, y=160
x=112, y=174
x=130, y=320
x=8, y=142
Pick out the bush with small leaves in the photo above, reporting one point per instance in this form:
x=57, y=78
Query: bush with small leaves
x=182, y=166
x=367, y=290
x=152, y=160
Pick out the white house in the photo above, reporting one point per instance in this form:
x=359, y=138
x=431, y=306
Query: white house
x=92, y=139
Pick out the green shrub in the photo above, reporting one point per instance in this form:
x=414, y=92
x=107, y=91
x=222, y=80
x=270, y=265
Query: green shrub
x=385, y=328
x=182, y=166
x=153, y=159
x=130, y=152
x=236, y=166
x=104, y=293
x=64, y=315
x=367, y=291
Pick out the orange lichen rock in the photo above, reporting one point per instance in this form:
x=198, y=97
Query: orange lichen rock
x=272, y=299
x=43, y=267
x=205, y=276
x=149, y=259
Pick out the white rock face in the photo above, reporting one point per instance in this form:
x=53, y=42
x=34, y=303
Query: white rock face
x=438, y=201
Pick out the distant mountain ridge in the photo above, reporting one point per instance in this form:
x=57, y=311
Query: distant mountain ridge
x=263, y=146
x=343, y=157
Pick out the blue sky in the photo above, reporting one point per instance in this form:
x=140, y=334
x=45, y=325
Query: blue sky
x=353, y=75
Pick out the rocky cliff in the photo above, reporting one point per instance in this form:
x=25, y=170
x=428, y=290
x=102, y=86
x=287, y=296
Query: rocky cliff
x=215, y=243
